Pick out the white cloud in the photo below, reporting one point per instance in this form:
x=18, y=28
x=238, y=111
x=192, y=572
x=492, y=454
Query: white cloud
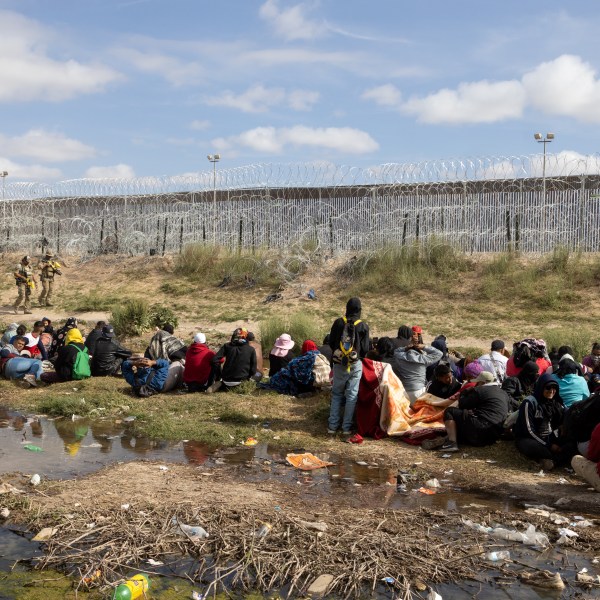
x=198, y=125
x=384, y=95
x=20, y=172
x=120, y=171
x=302, y=99
x=258, y=98
x=565, y=86
x=291, y=23
x=46, y=146
x=479, y=102
x=274, y=140
x=176, y=71
x=29, y=73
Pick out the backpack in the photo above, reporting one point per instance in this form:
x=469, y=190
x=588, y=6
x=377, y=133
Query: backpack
x=521, y=355
x=321, y=370
x=581, y=418
x=81, y=368
x=346, y=355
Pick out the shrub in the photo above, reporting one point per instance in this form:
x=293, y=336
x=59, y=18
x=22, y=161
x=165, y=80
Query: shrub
x=580, y=339
x=135, y=317
x=299, y=325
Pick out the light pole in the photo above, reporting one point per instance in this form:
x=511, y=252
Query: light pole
x=544, y=140
x=4, y=175
x=214, y=159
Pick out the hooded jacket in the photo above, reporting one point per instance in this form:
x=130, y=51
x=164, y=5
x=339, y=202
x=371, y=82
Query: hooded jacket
x=410, y=366
x=361, y=337
x=538, y=415
x=240, y=361
x=198, y=363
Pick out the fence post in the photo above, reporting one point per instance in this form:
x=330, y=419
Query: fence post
x=164, y=244
x=581, y=211
x=57, y=237
x=116, y=236
x=157, y=245
x=240, y=236
x=418, y=226
x=331, y=235
x=404, y=229
x=508, y=226
x=204, y=232
x=181, y=236
x=101, y=234
x=253, y=239
x=517, y=232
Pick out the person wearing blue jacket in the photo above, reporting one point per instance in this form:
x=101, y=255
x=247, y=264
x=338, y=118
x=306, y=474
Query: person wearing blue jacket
x=147, y=376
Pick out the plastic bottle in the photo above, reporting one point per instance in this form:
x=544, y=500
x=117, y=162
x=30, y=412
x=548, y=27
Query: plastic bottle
x=498, y=555
x=133, y=588
x=263, y=530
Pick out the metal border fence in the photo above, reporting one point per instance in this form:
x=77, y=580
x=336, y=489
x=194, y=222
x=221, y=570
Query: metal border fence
x=479, y=205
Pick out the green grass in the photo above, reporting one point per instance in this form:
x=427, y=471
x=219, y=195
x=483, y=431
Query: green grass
x=93, y=301
x=135, y=317
x=301, y=326
x=402, y=269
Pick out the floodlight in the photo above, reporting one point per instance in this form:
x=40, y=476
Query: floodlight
x=537, y=136
x=550, y=136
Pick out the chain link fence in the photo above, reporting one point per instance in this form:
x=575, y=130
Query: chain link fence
x=480, y=205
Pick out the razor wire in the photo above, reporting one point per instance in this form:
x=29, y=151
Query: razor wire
x=477, y=205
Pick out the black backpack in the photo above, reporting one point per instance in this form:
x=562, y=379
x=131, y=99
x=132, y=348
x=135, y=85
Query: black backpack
x=581, y=418
x=521, y=355
x=346, y=354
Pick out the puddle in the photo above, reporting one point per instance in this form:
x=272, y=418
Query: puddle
x=74, y=448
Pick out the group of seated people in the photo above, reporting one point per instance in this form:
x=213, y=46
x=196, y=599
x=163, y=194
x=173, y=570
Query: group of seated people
x=545, y=400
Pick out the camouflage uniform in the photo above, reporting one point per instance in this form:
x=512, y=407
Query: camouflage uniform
x=24, y=285
x=48, y=270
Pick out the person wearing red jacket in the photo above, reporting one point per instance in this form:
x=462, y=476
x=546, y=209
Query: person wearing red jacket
x=589, y=468
x=198, y=373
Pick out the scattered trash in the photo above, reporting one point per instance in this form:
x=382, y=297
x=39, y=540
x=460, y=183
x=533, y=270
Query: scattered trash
x=197, y=596
x=433, y=595
x=537, y=511
x=35, y=480
x=449, y=472
x=272, y=298
x=163, y=468
x=491, y=462
x=193, y=532
x=307, y=461
x=263, y=530
x=578, y=518
x=6, y=488
x=44, y=534
x=133, y=588
x=446, y=455
x=565, y=535
x=356, y=439
x=498, y=555
x=311, y=294
x=33, y=448
x=154, y=563
x=320, y=585
x=389, y=580
x=318, y=525
x=543, y=579
x=250, y=442
x=4, y=513
x=540, y=506
x=266, y=425
x=432, y=483
x=541, y=473
x=91, y=577
x=124, y=506
x=417, y=464
x=362, y=463
x=583, y=577
x=563, y=502
x=129, y=419
x=530, y=536
x=561, y=481
x=426, y=491
x=584, y=523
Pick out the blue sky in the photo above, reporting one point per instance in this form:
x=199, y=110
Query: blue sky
x=134, y=88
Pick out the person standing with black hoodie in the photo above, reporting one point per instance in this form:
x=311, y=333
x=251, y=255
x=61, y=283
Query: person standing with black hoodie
x=349, y=340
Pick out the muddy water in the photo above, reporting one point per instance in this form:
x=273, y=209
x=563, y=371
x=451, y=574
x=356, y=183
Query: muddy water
x=73, y=448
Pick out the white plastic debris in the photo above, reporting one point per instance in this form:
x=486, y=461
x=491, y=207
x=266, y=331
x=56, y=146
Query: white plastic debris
x=433, y=595
x=530, y=536
x=539, y=507
x=163, y=468
x=584, y=523
x=562, y=481
x=124, y=506
x=541, y=474
x=35, y=480
x=565, y=535
x=154, y=563
x=193, y=532
x=432, y=483
x=538, y=512
x=197, y=596
x=4, y=513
